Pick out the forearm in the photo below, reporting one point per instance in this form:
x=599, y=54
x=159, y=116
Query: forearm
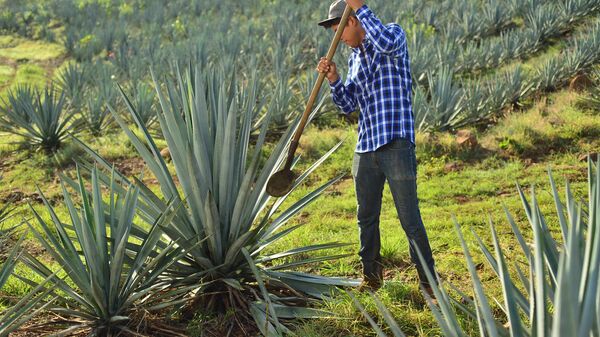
x=342, y=97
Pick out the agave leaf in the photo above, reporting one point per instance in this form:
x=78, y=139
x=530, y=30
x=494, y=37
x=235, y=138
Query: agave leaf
x=511, y=294
x=449, y=323
x=269, y=305
x=26, y=308
x=7, y=267
x=540, y=308
x=495, y=263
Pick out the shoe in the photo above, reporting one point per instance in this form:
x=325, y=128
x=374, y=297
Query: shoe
x=431, y=294
x=370, y=284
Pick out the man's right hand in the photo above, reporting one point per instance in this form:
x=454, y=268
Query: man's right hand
x=329, y=69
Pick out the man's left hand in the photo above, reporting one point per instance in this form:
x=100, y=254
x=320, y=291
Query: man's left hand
x=355, y=4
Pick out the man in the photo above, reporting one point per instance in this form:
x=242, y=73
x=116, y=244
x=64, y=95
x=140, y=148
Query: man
x=379, y=83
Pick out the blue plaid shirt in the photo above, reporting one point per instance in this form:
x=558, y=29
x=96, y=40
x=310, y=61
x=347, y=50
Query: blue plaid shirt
x=380, y=83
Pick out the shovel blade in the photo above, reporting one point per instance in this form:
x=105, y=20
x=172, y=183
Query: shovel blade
x=281, y=183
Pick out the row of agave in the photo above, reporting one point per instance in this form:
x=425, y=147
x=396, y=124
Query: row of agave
x=554, y=292
x=449, y=104
x=463, y=21
x=541, y=23
x=544, y=23
x=200, y=244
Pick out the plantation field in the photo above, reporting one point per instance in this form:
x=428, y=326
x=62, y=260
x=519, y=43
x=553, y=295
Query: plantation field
x=137, y=137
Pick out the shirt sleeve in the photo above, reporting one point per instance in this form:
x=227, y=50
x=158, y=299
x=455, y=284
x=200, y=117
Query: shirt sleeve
x=387, y=39
x=342, y=97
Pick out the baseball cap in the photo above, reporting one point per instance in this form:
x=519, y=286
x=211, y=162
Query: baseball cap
x=336, y=10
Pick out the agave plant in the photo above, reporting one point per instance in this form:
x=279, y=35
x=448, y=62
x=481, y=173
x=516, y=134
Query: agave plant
x=103, y=81
x=44, y=124
x=113, y=268
x=96, y=117
x=144, y=101
x=421, y=59
x=446, y=99
x=549, y=75
x=559, y=298
x=72, y=81
x=561, y=295
x=548, y=22
x=420, y=108
x=222, y=180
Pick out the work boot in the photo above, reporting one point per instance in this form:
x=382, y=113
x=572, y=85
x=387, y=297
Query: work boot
x=370, y=284
x=374, y=281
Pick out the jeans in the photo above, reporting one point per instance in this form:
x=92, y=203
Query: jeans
x=395, y=162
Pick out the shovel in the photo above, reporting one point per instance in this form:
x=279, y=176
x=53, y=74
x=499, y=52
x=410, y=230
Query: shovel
x=281, y=182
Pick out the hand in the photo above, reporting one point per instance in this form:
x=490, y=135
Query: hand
x=355, y=4
x=329, y=69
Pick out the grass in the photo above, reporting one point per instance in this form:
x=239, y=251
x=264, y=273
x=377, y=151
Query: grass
x=29, y=49
x=6, y=74
x=27, y=62
x=31, y=74
x=553, y=124
x=7, y=41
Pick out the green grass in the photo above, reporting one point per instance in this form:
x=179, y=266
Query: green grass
x=6, y=74
x=7, y=41
x=34, y=60
x=31, y=74
x=554, y=124
x=31, y=50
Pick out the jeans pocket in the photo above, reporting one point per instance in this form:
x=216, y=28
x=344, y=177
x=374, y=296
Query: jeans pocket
x=399, y=163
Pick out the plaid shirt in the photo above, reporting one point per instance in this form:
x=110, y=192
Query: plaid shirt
x=379, y=82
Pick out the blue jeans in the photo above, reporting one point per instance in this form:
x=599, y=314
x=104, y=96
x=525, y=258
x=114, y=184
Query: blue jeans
x=395, y=162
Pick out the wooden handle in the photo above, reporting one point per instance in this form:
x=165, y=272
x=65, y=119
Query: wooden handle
x=317, y=88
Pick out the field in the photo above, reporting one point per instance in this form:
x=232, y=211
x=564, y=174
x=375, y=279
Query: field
x=137, y=137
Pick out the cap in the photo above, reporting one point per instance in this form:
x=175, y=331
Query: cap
x=336, y=10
